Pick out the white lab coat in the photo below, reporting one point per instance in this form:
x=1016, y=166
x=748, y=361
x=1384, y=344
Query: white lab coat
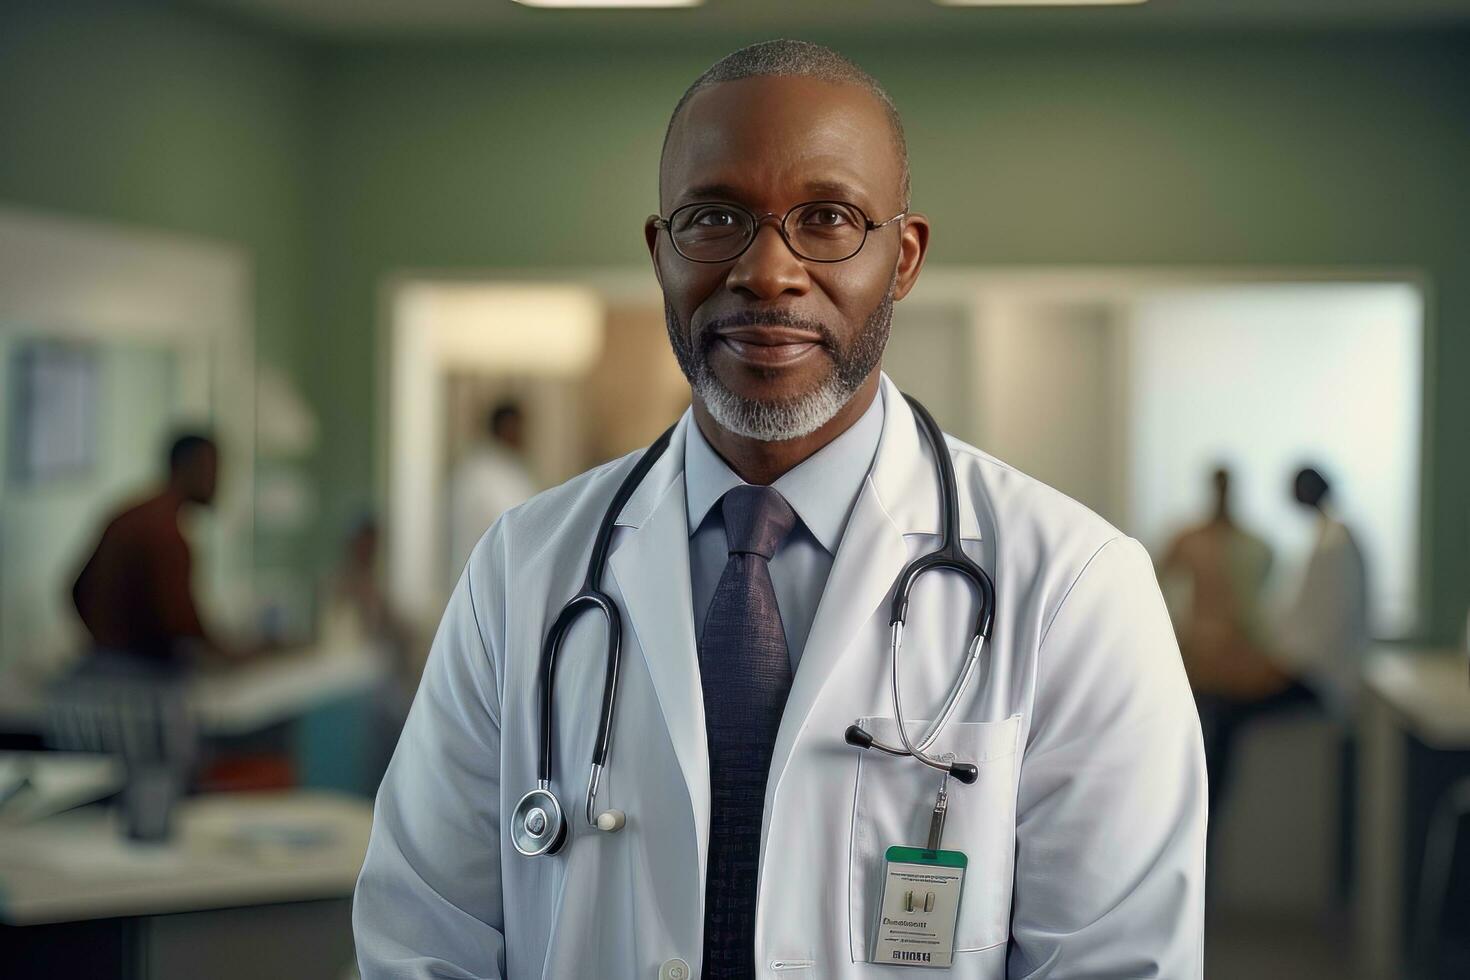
x=1324, y=635
x=488, y=481
x=1085, y=832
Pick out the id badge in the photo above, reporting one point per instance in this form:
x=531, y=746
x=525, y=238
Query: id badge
x=921, y=906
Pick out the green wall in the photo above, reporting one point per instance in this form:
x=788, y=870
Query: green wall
x=147, y=115
x=1346, y=150
x=337, y=165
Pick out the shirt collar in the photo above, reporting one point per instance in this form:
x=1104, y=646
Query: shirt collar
x=822, y=488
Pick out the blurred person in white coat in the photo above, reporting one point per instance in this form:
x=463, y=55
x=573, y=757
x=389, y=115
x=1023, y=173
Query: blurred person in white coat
x=1324, y=634
x=1323, y=641
x=488, y=479
x=740, y=833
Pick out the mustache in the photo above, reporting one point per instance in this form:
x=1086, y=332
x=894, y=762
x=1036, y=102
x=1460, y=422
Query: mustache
x=709, y=333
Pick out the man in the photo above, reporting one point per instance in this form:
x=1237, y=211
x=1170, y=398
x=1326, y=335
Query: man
x=1222, y=636
x=135, y=595
x=753, y=568
x=358, y=617
x=1219, y=619
x=488, y=480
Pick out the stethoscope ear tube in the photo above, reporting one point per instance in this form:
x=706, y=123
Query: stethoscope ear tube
x=860, y=737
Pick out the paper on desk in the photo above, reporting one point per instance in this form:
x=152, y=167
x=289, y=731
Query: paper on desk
x=41, y=784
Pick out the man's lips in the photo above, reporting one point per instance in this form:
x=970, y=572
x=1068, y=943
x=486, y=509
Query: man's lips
x=768, y=346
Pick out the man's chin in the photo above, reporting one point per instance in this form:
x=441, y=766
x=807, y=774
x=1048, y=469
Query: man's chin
x=769, y=388
x=776, y=418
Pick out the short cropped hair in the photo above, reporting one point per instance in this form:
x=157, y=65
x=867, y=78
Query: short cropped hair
x=786, y=58
x=1311, y=486
x=182, y=450
x=502, y=413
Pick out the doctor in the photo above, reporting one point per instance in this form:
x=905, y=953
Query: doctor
x=753, y=568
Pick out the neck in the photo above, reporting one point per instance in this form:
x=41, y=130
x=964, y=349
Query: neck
x=762, y=463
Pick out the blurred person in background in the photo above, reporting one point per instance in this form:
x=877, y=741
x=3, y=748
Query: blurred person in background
x=135, y=597
x=490, y=478
x=1221, y=569
x=135, y=594
x=1323, y=640
x=359, y=619
x=1324, y=634
x=1309, y=661
x=1222, y=634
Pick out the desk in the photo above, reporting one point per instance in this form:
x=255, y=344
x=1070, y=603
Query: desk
x=1416, y=704
x=252, y=885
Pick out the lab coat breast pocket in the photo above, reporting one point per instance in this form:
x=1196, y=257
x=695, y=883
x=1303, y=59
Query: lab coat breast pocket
x=893, y=805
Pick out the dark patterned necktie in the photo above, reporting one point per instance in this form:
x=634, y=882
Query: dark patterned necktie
x=745, y=671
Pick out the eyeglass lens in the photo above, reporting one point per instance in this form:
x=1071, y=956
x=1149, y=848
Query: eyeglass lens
x=824, y=231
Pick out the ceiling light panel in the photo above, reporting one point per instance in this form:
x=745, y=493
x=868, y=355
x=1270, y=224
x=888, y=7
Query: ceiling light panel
x=607, y=4
x=1039, y=3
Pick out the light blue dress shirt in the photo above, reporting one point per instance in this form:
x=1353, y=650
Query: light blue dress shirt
x=822, y=489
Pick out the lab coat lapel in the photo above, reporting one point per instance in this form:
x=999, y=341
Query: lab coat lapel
x=900, y=497
x=650, y=564
x=868, y=560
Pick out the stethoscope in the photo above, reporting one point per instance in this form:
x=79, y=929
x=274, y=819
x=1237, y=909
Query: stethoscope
x=539, y=825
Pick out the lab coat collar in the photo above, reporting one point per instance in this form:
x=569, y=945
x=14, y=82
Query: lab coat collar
x=821, y=488
x=649, y=495
x=904, y=476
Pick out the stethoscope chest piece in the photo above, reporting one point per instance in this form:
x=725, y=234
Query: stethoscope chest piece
x=538, y=825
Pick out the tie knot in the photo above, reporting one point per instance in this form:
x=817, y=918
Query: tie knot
x=757, y=520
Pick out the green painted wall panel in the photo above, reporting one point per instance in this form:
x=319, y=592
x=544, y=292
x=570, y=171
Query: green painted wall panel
x=145, y=114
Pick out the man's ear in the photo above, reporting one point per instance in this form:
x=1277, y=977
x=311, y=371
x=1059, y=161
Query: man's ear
x=913, y=245
x=650, y=235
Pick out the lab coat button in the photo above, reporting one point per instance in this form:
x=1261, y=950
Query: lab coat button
x=674, y=969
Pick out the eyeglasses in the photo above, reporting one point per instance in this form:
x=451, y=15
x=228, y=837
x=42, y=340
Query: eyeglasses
x=818, y=231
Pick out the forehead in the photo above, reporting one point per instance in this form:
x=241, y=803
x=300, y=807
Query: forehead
x=770, y=141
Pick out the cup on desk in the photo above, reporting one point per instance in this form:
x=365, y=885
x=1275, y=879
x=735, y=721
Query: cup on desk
x=148, y=800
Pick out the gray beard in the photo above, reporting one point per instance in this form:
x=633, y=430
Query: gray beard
x=780, y=421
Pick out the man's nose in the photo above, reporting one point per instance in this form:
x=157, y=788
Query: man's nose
x=768, y=268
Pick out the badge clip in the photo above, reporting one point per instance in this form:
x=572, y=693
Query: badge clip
x=919, y=913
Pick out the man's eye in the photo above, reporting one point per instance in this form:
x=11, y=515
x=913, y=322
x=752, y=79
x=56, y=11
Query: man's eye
x=826, y=216
x=715, y=218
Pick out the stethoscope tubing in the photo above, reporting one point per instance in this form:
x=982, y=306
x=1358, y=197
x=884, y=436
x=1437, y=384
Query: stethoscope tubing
x=950, y=556
x=591, y=596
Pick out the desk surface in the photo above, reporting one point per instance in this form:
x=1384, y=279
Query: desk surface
x=229, y=850
x=1427, y=690
x=242, y=699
